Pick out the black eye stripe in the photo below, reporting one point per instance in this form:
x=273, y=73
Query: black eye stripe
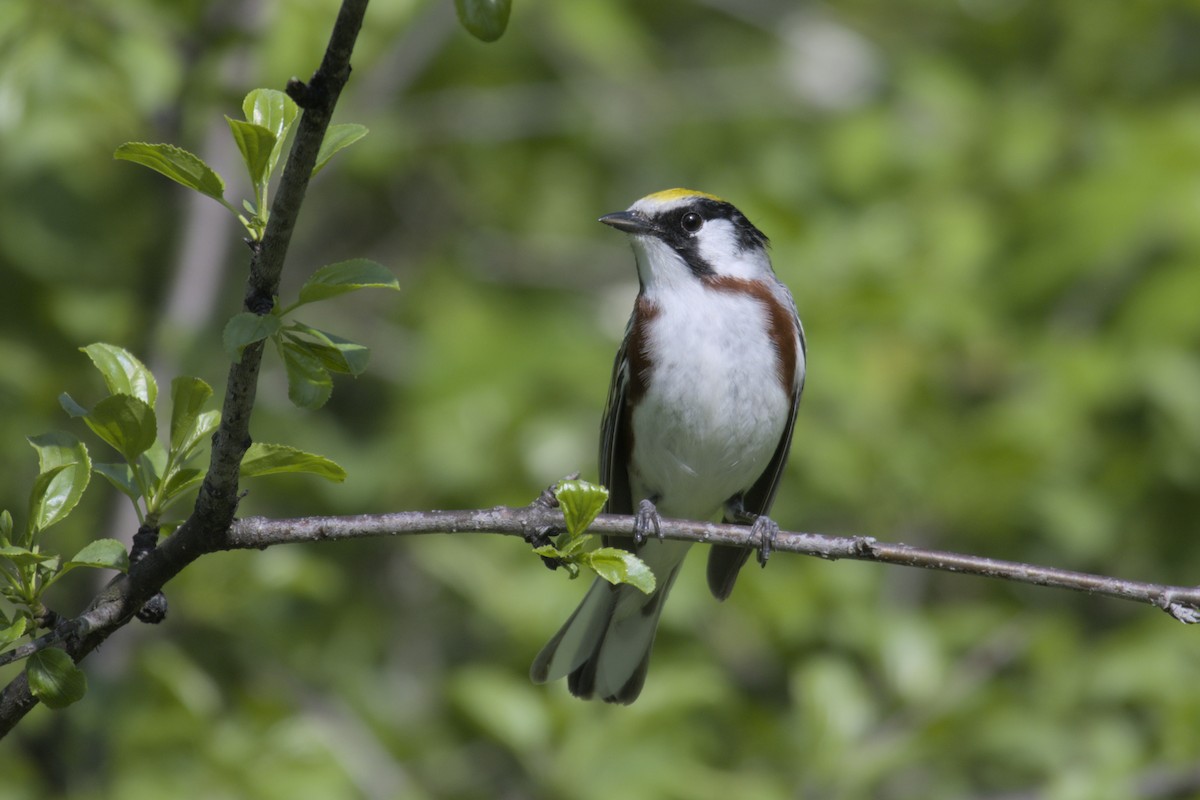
x=680, y=228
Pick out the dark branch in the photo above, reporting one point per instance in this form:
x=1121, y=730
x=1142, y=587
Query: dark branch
x=206, y=529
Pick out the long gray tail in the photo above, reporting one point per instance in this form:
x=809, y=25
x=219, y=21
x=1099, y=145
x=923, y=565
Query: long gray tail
x=604, y=647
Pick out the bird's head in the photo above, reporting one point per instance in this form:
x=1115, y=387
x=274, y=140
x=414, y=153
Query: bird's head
x=683, y=235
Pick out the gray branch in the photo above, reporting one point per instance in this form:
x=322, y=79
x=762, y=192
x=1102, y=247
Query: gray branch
x=1181, y=602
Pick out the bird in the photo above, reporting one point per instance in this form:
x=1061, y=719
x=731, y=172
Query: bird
x=698, y=422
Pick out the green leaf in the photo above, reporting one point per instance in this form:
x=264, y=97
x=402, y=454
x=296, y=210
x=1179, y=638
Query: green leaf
x=124, y=422
x=12, y=632
x=270, y=108
x=256, y=144
x=335, y=353
x=188, y=396
x=245, y=329
x=309, y=384
x=484, y=19
x=580, y=502
x=275, y=111
x=201, y=431
x=270, y=459
x=123, y=373
x=177, y=164
x=62, y=492
x=550, y=551
x=120, y=476
x=621, y=566
x=69, y=405
x=54, y=679
x=338, y=137
x=23, y=555
x=180, y=481
x=346, y=276
x=103, y=554
x=151, y=464
x=40, y=498
x=6, y=528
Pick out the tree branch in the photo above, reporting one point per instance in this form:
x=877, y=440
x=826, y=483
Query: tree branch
x=1181, y=602
x=206, y=529
x=112, y=608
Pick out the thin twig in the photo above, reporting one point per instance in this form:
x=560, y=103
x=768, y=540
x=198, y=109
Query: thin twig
x=1181, y=602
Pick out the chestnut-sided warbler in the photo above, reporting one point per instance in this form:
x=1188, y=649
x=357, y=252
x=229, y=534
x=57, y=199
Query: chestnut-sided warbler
x=699, y=421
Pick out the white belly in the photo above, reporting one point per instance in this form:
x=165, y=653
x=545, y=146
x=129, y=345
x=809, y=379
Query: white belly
x=714, y=410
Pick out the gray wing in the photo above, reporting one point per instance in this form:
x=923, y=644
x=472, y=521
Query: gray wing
x=616, y=437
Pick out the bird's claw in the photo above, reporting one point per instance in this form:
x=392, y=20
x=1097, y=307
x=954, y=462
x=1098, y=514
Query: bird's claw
x=646, y=520
x=765, y=530
x=548, y=499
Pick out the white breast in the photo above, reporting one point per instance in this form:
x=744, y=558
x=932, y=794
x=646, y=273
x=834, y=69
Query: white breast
x=714, y=408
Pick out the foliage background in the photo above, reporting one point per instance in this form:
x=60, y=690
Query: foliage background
x=987, y=211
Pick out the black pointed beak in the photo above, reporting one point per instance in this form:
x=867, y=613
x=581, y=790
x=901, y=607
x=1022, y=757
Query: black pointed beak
x=628, y=221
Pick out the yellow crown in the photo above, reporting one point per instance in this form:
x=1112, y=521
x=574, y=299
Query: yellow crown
x=667, y=195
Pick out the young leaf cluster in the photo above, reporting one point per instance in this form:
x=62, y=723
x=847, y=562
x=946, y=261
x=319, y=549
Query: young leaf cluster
x=580, y=502
x=309, y=354
x=155, y=473
x=27, y=570
x=152, y=473
x=268, y=116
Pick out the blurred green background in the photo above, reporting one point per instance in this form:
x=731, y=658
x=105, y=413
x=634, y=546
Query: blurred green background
x=989, y=214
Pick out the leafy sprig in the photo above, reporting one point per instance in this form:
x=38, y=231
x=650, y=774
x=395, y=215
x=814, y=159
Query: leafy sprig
x=153, y=473
x=581, y=502
x=268, y=118
x=310, y=354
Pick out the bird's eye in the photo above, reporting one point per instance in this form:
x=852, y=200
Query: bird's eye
x=691, y=222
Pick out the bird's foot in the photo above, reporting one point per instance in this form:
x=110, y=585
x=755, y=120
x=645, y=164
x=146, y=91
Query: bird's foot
x=764, y=530
x=646, y=520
